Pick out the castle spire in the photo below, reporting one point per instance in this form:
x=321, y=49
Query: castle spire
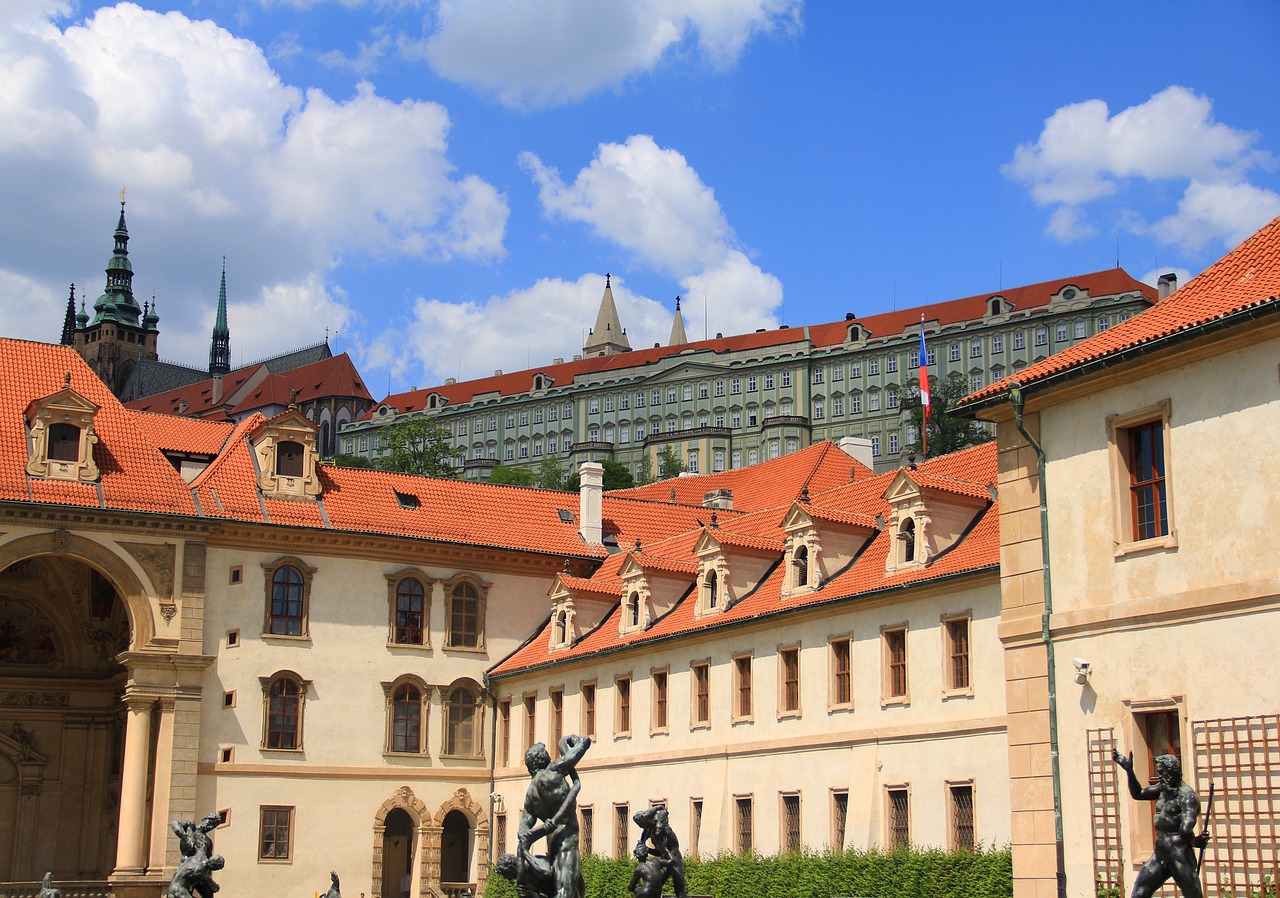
x=220, y=346
x=678, y=337
x=116, y=304
x=608, y=336
x=69, y=320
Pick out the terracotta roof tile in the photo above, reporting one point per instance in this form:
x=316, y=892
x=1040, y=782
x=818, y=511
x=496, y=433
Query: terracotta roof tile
x=1248, y=276
x=178, y=434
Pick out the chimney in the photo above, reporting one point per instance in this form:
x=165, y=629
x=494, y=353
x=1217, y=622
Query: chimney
x=450, y=381
x=217, y=388
x=590, y=501
x=1167, y=284
x=859, y=449
x=721, y=498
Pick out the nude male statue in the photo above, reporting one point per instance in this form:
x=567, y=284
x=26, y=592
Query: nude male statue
x=655, y=830
x=1177, y=808
x=551, y=810
x=649, y=875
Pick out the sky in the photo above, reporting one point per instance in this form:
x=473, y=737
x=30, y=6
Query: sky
x=438, y=187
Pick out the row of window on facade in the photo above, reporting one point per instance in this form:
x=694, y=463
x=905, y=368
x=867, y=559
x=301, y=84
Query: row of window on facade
x=740, y=694
x=288, y=584
x=791, y=835
x=408, y=705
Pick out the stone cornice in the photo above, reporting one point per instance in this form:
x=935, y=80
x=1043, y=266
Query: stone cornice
x=83, y=518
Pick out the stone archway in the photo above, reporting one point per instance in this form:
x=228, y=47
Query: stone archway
x=462, y=802
x=406, y=801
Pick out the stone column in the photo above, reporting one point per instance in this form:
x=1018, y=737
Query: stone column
x=131, y=838
x=160, y=792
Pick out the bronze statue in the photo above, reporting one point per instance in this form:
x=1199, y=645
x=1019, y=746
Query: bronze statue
x=539, y=880
x=655, y=831
x=334, y=890
x=551, y=810
x=650, y=874
x=194, y=876
x=1177, y=808
x=46, y=887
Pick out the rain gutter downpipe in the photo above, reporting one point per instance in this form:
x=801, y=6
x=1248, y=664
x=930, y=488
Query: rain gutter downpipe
x=1016, y=399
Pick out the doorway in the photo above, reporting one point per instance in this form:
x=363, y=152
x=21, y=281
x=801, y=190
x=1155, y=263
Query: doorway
x=455, y=848
x=397, y=855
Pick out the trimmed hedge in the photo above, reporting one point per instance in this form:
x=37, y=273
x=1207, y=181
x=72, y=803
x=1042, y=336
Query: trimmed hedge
x=878, y=874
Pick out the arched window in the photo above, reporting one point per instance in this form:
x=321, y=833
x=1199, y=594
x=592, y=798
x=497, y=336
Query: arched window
x=289, y=459
x=907, y=533
x=713, y=589
x=633, y=610
x=466, y=616
x=410, y=628
x=562, y=626
x=406, y=719
x=287, y=614
x=64, y=442
x=801, y=562
x=462, y=724
x=282, y=696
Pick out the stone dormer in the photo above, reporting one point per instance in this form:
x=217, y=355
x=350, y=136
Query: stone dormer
x=60, y=437
x=1069, y=295
x=821, y=542
x=928, y=515
x=285, y=455
x=729, y=567
x=435, y=401
x=578, y=606
x=650, y=588
x=997, y=307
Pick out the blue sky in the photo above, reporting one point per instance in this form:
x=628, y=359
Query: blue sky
x=443, y=184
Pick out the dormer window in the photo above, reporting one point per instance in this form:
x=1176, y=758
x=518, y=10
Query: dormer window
x=856, y=332
x=289, y=459
x=711, y=585
x=633, y=610
x=800, y=562
x=60, y=437
x=286, y=455
x=560, y=635
x=907, y=535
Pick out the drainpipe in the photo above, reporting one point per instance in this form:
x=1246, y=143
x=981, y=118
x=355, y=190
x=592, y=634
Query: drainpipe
x=1016, y=400
x=493, y=769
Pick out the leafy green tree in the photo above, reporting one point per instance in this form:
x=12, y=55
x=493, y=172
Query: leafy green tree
x=669, y=463
x=343, y=460
x=512, y=476
x=947, y=431
x=549, y=475
x=419, y=446
x=616, y=477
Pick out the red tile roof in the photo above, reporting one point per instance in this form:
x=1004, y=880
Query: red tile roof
x=1248, y=277
x=979, y=550
x=178, y=434
x=133, y=475
x=1025, y=300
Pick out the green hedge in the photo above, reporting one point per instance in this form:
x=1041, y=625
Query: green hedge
x=877, y=874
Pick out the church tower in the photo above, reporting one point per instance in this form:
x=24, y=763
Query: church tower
x=120, y=333
x=220, y=347
x=677, y=337
x=608, y=336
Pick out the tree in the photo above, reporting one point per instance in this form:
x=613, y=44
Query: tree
x=343, y=460
x=512, y=476
x=419, y=446
x=549, y=476
x=947, y=431
x=616, y=477
x=669, y=463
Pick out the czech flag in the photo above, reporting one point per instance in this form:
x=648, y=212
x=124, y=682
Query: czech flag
x=924, y=388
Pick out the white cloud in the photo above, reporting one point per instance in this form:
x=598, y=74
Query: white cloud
x=522, y=328
x=1084, y=154
x=220, y=157
x=650, y=201
x=537, y=53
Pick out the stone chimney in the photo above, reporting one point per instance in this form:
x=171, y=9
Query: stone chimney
x=721, y=498
x=590, y=501
x=1167, y=284
x=217, y=389
x=859, y=449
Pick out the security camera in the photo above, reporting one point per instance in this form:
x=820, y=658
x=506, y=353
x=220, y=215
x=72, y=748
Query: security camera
x=1083, y=670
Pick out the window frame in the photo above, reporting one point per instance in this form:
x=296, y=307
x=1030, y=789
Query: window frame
x=660, y=700
x=1120, y=429
x=790, y=690
x=391, y=690
x=268, y=685
x=622, y=706
x=839, y=833
x=888, y=696
x=270, y=569
x=700, y=700
x=587, y=693
x=743, y=695
x=950, y=687
x=834, y=673
x=890, y=790
x=394, y=582
x=476, y=693
x=789, y=842
x=481, y=598
x=289, y=811
x=954, y=824
x=744, y=838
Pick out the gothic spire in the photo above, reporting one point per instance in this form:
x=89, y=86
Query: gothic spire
x=220, y=346
x=678, y=337
x=69, y=320
x=116, y=302
x=608, y=336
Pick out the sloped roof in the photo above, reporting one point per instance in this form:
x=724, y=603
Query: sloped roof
x=978, y=550
x=1247, y=278
x=1026, y=300
x=133, y=475
x=177, y=434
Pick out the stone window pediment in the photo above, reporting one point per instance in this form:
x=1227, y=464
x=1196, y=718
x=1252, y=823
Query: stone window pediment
x=285, y=453
x=60, y=436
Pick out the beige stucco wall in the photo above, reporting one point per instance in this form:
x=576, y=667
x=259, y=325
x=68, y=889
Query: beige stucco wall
x=923, y=744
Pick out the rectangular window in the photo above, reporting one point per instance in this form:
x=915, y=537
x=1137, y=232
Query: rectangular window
x=1042, y=336
x=586, y=830
x=621, y=823
x=753, y=456
x=839, y=817
x=692, y=466
x=695, y=826
x=1147, y=482
x=975, y=382
x=875, y=446
x=745, y=836
x=1103, y=323
x=719, y=388
x=622, y=710
x=997, y=343
x=1019, y=340
x=855, y=369
x=975, y=349
x=557, y=721
x=855, y=405
x=702, y=391
x=608, y=403
x=899, y=818
x=768, y=381
x=504, y=731
x=530, y=720
x=819, y=375
x=895, y=663
x=914, y=360
x=500, y=833
x=589, y=709
x=837, y=407
x=751, y=383
x=958, y=654
x=524, y=418
x=735, y=459
x=717, y=460
x=1060, y=333
x=873, y=366
x=873, y=401
x=893, y=444
x=462, y=428
x=275, y=832
x=659, y=701
x=742, y=688
x=819, y=410
x=735, y=386
x=841, y=674
x=891, y=397
x=671, y=394
x=511, y=419
x=837, y=371
x=791, y=843
x=656, y=398
x=961, y=801
x=891, y=364
x=953, y=353
x=687, y=392
x=786, y=378
x=537, y=415
x=568, y=410
x=790, y=676
x=553, y=413
x=624, y=401
x=701, y=693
